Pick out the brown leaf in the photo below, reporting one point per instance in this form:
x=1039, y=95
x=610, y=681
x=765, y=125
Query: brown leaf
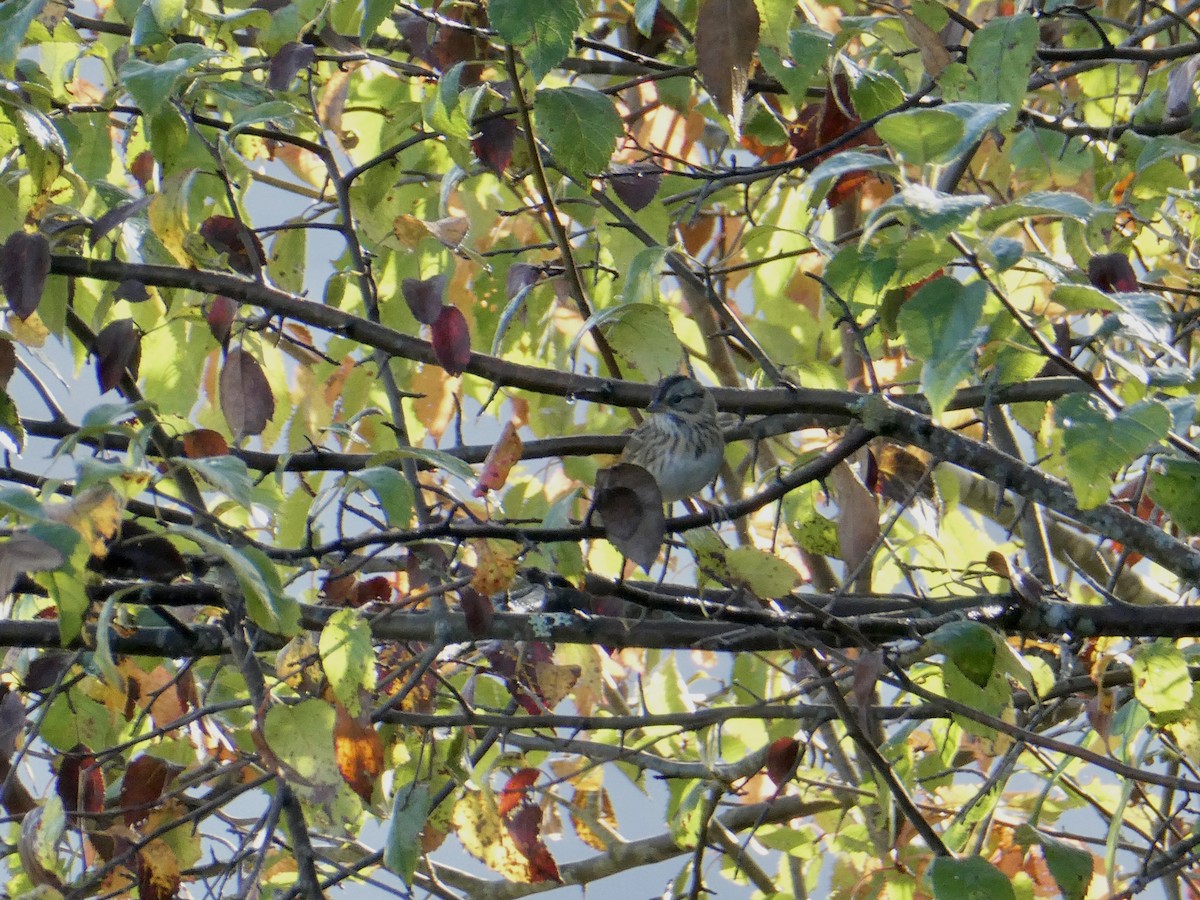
x=219, y=315
x=80, y=783
x=287, y=63
x=246, y=398
x=478, y=610
x=241, y=246
x=140, y=554
x=450, y=231
x=141, y=167
x=118, y=349
x=24, y=267
x=726, y=38
x=359, y=751
x=452, y=340
x=781, y=759
x=424, y=297
x=8, y=362
x=493, y=143
x=158, y=872
x=636, y=184
x=505, y=454
x=934, y=55
x=857, y=522
x=143, y=784
x=204, y=442
x=516, y=790
x=1112, y=272
x=521, y=276
x=629, y=502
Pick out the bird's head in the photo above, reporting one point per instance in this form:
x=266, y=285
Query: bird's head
x=683, y=398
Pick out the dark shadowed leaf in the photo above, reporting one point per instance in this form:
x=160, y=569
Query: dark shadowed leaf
x=636, y=184
x=520, y=277
x=424, y=297
x=286, y=64
x=630, y=503
x=145, y=780
x=24, y=265
x=80, y=782
x=478, y=610
x=131, y=291
x=452, y=340
x=140, y=554
x=118, y=349
x=8, y=362
x=1112, y=273
x=12, y=723
x=493, y=143
x=246, y=398
x=116, y=217
x=158, y=874
x=781, y=759
x=241, y=246
x=219, y=315
x=726, y=38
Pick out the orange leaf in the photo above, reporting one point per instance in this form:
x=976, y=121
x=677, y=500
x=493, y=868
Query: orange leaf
x=516, y=789
x=505, y=454
x=204, y=442
x=359, y=751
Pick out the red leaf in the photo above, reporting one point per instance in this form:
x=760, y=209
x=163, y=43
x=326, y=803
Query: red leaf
x=818, y=124
x=204, y=442
x=781, y=758
x=493, y=143
x=516, y=790
x=478, y=610
x=143, y=784
x=118, y=349
x=525, y=828
x=80, y=782
x=636, y=185
x=1111, y=272
x=246, y=398
x=220, y=315
x=241, y=246
x=372, y=590
x=424, y=297
x=505, y=454
x=452, y=340
x=287, y=62
x=24, y=266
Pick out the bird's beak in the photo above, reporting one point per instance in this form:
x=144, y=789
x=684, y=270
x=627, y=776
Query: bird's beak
x=656, y=406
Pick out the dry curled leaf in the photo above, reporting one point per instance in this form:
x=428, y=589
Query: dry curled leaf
x=726, y=38
x=505, y=454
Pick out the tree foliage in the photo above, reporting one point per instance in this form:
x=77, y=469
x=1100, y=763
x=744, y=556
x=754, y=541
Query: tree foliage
x=308, y=592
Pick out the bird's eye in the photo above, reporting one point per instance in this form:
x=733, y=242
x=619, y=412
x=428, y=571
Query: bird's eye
x=675, y=400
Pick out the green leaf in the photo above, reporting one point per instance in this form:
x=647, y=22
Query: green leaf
x=1095, y=444
x=301, y=735
x=1052, y=204
x=348, y=657
x=969, y=645
x=809, y=47
x=640, y=333
x=1161, y=681
x=15, y=18
x=765, y=574
x=390, y=488
x=375, y=12
x=1072, y=867
x=1175, y=486
x=1146, y=315
x=850, y=161
x=436, y=458
x=922, y=136
x=150, y=84
x=776, y=18
x=976, y=119
x=228, y=474
x=410, y=808
x=12, y=432
x=644, y=12
x=1000, y=56
x=266, y=603
x=931, y=211
x=155, y=22
x=580, y=128
x=939, y=325
x=873, y=93
x=643, y=278
x=973, y=878
x=543, y=29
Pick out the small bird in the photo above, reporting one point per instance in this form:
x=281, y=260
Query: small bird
x=680, y=444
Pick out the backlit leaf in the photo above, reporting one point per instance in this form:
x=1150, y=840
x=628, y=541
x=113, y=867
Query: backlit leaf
x=580, y=129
